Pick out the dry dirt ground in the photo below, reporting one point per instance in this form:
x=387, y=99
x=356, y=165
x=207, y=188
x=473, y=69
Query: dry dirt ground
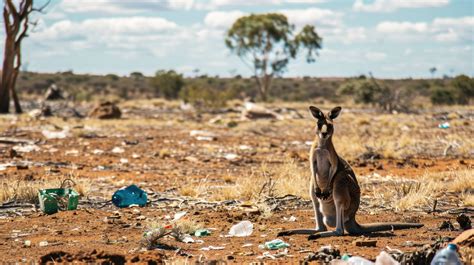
x=238, y=170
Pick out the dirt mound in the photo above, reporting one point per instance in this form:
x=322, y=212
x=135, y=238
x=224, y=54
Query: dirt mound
x=106, y=110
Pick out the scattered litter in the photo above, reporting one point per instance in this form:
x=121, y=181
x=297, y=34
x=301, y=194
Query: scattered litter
x=447, y=255
x=231, y=156
x=247, y=245
x=27, y=243
x=364, y=243
x=43, y=243
x=187, y=239
x=283, y=253
x=26, y=148
x=135, y=156
x=289, y=219
x=212, y=248
x=444, y=125
x=123, y=161
x=52, y=200
x=464, y=221
x=201, y=135
x=127, y=196
x=242, y=229
x=118, y=150
x=202, y=232
x=274, y=244
x=178, y=216
x=385, y=259
x=97, y=152
x=55, y=134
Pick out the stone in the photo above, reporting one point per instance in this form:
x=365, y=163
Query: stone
x=364, y=243
x=106, y=110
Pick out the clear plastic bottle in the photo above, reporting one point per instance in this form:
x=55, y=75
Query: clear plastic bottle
x=447, y=256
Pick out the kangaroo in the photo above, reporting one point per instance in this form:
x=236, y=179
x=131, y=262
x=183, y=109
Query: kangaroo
x=334, y=189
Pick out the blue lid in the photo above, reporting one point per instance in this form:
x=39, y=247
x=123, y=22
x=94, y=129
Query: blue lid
x=452, y=246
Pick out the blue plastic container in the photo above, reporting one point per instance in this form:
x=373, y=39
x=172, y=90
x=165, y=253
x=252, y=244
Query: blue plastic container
x=129, y=195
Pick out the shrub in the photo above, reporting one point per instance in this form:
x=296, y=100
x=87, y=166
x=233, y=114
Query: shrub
x=167, y=84
x=443, y=95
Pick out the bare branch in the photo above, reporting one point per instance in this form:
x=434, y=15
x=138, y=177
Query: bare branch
x=42, y=8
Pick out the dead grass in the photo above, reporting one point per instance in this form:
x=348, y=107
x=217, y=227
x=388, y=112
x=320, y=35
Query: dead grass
x=27, y=191
x=415, y=195
x=467, y=199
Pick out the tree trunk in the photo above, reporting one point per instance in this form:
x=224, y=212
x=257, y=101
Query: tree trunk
x=7, y=74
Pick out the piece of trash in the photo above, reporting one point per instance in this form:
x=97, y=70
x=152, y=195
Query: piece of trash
x=464, y=221
x=135, y=156
x=201, y=135
x=212, y=248
x=55, y=134
x=43, y=243
x=72, y=152
x=244, y=228
x=283, y=253
x=290, y=219
x=97, y=152
x=385, y=259
x=187, y=239
x=26, y=148
x=447, y=255
x=202, y=232
x=356, y=260
x=444, y=125
x=231, y=156
x=364, y=243
x=27, y=243
x=274, y=244
x=123, y=161
x=179, y=215
x=118, y=150
x=127, y=196
x=52, y=200
x=247, y=245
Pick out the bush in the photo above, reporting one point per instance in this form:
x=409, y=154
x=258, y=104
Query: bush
x=207, y=97
x=464, y=87
x=167, y=84
x=443, y=95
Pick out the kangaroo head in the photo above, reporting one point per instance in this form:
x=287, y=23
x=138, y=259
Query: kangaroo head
x=325, y=127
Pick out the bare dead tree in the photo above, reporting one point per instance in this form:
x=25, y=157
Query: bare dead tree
x=16, y=20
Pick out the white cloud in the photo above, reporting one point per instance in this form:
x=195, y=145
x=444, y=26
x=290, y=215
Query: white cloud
x=393, y=5
x=375, y=56
x=440, y=29
x=315, y=16
x=222, y=19
x=401, y=27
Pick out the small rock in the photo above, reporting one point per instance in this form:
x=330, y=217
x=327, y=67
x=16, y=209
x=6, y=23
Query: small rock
x=27, y=243
x=106, y=110
x=43, y=243
x=464, y=221
x=364, y=243
x=141, y=218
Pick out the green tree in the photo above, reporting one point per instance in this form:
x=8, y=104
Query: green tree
x=266, y=43
x=167, y=83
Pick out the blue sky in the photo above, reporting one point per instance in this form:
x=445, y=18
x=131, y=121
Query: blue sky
x=390, y=38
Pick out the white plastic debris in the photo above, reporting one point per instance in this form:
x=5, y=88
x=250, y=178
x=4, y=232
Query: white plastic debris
x=97, y=152
x=72, y=152
x=55, y=134
x=27, y=243
x=178, y=216
x=43, y=243
x=385, y=259
x=187, y=239
x=123, y=161
x=26, y=148
x=242, y=229
x=118, y=150
x=135, y=156
x=290, y=219
x=247, y=245
x=231, y=156
x=201, y=135
x=212, y=248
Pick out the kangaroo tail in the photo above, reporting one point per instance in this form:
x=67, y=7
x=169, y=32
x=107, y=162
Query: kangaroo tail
x=355, y=228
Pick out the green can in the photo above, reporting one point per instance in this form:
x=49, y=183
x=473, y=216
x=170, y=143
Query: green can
x=53, y=200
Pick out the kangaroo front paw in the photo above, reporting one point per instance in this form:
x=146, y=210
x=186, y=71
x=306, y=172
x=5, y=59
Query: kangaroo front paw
x=314, y=236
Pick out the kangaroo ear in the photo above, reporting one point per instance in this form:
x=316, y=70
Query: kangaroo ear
x=334, y=113
x=317, y=113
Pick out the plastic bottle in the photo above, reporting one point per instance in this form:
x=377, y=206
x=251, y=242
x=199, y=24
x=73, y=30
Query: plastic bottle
x=244, y=228
x=358, y=261
x=130, y=195
x=385, y=259
x=447, y=256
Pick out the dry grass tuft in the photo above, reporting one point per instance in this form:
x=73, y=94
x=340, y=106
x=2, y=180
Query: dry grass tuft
x=27, y=191
x=415, y=195
x=467, y=199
